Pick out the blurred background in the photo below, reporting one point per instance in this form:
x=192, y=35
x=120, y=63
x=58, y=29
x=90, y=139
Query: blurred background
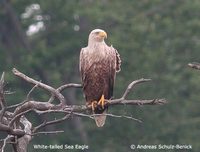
x=156, y=39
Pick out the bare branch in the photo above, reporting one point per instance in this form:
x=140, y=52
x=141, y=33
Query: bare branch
x=107, y=114
x=69, y=85
x=124, y=116
x=2, y=79
x=91, y=116
x=194, y=65
x=44, y=124
x=35, y=105
x=47, y=132
x=9, y=130
x=137, y=102
x=16, y=105
x=2, y=98
x=22, y=143
x=22, y=131
x=120, y=101
x=16, y=117
x=61, y=88
x=42, y=108
x=27, y=98
x=28, y=95
x=132, y=84
x=4, y=143
x=40, y=84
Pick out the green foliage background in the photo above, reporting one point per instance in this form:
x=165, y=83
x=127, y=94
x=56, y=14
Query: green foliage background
x=156, y=39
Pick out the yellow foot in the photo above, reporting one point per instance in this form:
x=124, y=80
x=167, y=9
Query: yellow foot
x=94, y=105
x=102, y=101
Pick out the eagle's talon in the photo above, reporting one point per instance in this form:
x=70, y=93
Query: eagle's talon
x=94, y=105
x=102, y=101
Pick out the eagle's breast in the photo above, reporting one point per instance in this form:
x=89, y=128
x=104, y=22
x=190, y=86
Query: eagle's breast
x=99, y=65
x=96, y=54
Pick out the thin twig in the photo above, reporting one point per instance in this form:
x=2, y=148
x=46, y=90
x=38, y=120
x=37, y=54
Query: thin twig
x=49, y=111
x=17, y=117
x=132, y=84
x=16, y=105
x=4, y=143
x=107, y=114
x=124, y=116
x=27, y=98
x=61, y=88
x=41, y=85
x=32, y=89
x=44, y=124
x=84, y=115
x=69, y=85
x=47, y=132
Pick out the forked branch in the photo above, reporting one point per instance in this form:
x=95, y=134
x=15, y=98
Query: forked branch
x=21, y=130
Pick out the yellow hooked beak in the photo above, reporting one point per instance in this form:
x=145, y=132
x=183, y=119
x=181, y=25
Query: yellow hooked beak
x=103, y=34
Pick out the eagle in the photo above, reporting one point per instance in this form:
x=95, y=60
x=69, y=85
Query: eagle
x=98, y=66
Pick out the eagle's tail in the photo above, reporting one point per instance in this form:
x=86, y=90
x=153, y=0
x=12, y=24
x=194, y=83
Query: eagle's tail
x=100, y=119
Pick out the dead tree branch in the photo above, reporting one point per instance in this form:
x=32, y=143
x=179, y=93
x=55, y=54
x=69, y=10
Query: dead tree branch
x=21, y=130
x=50, y=89
x=44, y=124
x=194, y=65
x=4, y=143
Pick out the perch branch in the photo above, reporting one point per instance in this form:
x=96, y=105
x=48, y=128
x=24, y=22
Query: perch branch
x=22, y=130
x=137, y=102
x=120, y=101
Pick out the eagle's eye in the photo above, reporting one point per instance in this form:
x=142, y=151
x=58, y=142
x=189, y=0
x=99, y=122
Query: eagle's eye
x=97, y=33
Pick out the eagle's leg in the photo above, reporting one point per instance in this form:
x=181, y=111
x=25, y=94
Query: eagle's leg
x=102, y=101
x=94, y=105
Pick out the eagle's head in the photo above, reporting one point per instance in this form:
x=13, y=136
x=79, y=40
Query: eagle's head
x=97, y=35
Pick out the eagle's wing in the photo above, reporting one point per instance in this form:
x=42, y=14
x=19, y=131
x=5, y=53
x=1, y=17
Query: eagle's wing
x=118, y=61
x=115, y=63
x=82, y=64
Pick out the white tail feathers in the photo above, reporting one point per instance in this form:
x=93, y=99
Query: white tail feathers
x=100, y=119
